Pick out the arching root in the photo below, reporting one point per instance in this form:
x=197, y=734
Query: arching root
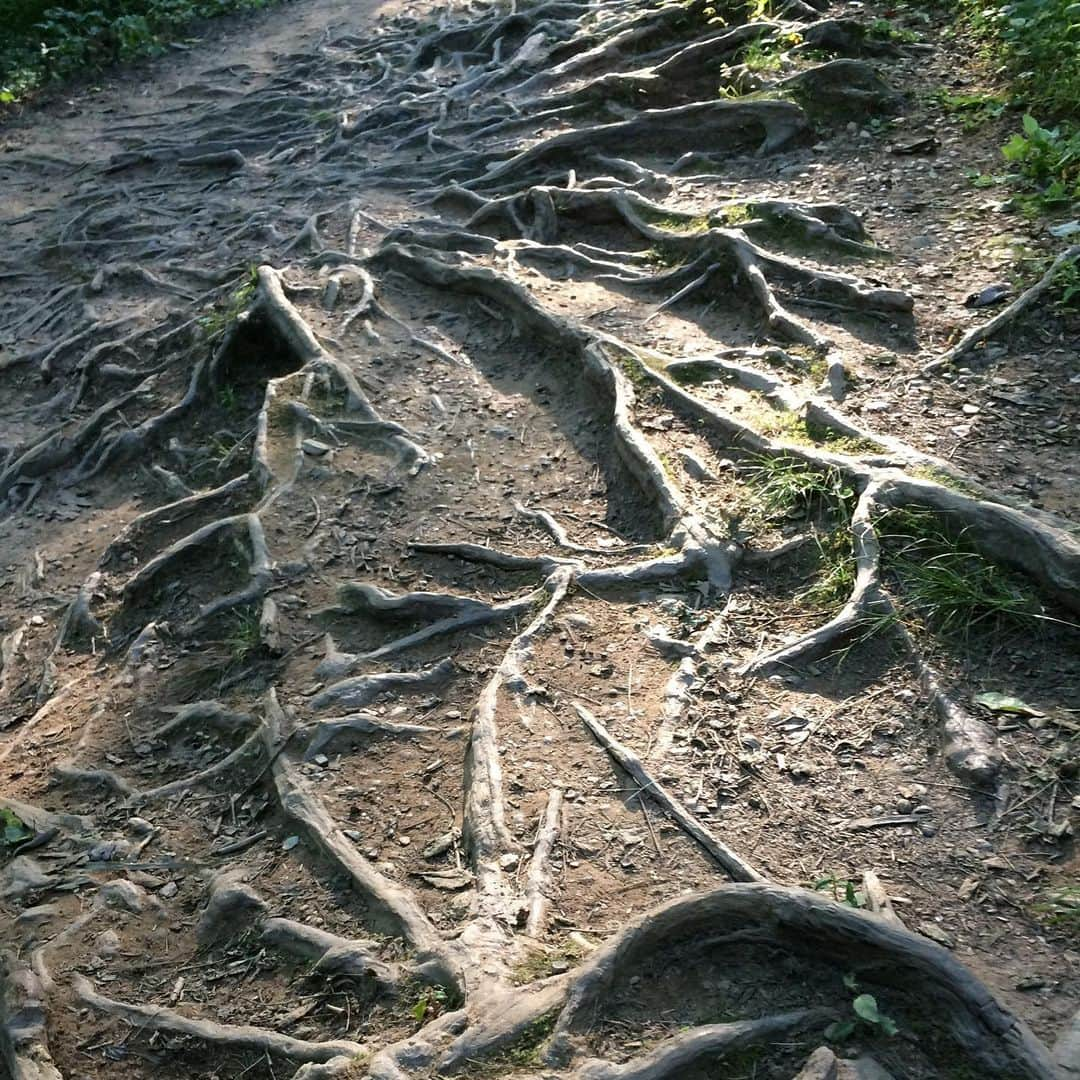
x=808, y=924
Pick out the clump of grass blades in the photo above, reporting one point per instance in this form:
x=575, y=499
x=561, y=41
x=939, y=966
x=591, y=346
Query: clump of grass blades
x=944, y=583
x=784, y=485
x=835, y=577
x=242, y=635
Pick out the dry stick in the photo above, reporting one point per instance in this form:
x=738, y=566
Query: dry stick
x=739, y=869
x=538, y=870
x=1006, y=315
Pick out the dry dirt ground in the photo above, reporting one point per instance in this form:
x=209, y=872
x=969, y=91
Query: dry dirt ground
x=482, y=492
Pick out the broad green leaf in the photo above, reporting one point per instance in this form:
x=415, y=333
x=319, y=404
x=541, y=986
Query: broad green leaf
x=1005, y=703
x=865, y=1006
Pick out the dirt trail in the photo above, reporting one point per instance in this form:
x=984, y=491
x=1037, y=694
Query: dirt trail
x=466, y=488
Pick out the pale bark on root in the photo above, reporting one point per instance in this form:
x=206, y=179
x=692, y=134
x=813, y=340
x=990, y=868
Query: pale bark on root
x=1039, y=545
x=734, y=864
x=361, y=690
x=394, y=903
x=698, y=546
x=24, y=1045
x=1034, y=542
x=866, y=602
x=325, y=732
x=677, y=691
x=139, y=529
x=272, y=304
x=698, y=1046
x=715, y=249
x=227, y=1036
x=969, y=744
x=212, y=713
x=332, y=955
x=539, y=872
x=479, y=615
x=777, y=122
x=483, y=820
x=480, y=553
x=808, y=924
x=557, y=533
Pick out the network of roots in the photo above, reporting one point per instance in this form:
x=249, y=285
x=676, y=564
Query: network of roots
x=389, y=489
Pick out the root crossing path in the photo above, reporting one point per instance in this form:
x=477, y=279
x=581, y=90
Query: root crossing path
x=461, y=614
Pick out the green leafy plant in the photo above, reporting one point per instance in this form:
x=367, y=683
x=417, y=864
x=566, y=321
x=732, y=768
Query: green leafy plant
x=1048, y=158
x=974, y=110
x=430, y=1003
x=843, y=890
x=763, y=54
x=886, y=30
x=1067, y=286
x=868, y=1016
x=13, y=830
x=45, y=42
x=1034, y=44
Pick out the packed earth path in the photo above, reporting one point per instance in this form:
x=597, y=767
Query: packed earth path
x=518, y=562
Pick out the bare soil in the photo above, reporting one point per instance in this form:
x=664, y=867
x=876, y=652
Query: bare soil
x=312, y=373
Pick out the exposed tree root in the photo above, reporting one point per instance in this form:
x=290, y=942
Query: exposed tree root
x=227, y=1036
x=22, y=1024
x=806, y=922
x=698, y=1046
x=395, y=903
x=735, y=865
x=363, y=689
x=527, y=128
